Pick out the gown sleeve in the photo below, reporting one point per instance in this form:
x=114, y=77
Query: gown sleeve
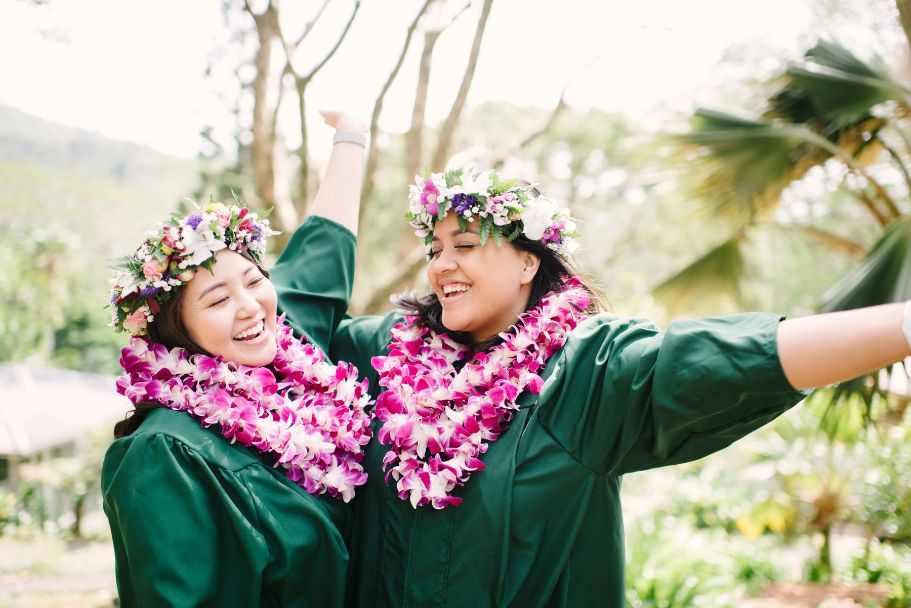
x=183, y=530
x=624, y=396
x=314, y=277
x=188, y=531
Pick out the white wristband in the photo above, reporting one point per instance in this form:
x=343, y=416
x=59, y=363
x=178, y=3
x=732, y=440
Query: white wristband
x=906, y=323
x=351, y=137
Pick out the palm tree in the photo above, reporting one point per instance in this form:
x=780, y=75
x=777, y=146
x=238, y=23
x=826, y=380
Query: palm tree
x=834, y=108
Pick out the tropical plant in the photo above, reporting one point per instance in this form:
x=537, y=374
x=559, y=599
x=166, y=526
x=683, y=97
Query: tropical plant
x=836, y=119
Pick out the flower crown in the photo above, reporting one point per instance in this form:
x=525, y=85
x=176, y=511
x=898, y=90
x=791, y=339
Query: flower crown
x=171, y=255
x=501, y=207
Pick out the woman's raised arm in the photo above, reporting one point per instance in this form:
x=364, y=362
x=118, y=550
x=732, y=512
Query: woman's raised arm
x=834, y=347
x=338, y=198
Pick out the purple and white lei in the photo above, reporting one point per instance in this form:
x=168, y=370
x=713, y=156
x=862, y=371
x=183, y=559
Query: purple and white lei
x=437, y=420
x=309, y=413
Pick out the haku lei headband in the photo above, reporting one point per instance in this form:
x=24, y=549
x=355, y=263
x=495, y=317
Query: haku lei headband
x=501, y=208
x=173, y=253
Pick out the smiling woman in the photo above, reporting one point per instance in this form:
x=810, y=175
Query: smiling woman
x=231, y=311
x=508, y=408
x=228, y=483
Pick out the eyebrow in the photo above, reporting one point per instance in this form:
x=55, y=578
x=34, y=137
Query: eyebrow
x=212, y=288
x=457, y=232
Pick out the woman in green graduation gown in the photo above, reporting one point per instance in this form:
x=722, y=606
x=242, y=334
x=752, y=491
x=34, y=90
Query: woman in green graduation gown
x=227, y=486
x=510, y=408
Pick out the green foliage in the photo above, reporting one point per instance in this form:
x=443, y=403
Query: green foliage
x=741, y=166
x=884, y=275
x=889, y=565
x=79, y=201
x=708, y=285
x=657, y=577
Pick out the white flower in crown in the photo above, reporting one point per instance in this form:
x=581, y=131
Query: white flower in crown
x=537, y=217
x=501, y=208
x=200, y=243
x=477, y=184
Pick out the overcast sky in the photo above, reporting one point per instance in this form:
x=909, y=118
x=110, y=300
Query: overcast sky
x=134, y=70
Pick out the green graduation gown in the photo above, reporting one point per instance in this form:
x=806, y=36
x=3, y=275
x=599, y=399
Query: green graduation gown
x=542, y=524
x=198, y=521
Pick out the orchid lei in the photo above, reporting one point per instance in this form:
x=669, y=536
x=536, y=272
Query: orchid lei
x=309, y=413
x=437, y=420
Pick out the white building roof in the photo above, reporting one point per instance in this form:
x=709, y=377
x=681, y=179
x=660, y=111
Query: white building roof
x=43, y=407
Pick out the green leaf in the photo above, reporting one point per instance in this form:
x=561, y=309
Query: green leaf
x=710, y=284
x=498, y=237
x=515, y=233
x=739, y=165
x=883, y=276
x=463, y=223
x=484, y=231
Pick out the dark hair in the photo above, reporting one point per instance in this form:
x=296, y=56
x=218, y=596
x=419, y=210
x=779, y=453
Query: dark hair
x=549, y=277
x=168, y=329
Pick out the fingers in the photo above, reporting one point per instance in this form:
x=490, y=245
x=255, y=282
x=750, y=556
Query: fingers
x=341, y=121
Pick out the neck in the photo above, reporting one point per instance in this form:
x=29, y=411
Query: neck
x=522, y=304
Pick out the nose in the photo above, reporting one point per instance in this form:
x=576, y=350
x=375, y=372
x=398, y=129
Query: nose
x=247, y=305
x=445, y=260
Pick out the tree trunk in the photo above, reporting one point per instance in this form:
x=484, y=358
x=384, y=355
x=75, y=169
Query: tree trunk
x=303, y=175
x=444, y=143
x=373, y=151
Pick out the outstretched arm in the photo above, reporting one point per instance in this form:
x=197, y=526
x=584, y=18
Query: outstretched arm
x=834, y=347
x=339, y=195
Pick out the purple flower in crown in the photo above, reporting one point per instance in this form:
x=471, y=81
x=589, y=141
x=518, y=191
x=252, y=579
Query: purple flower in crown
x=148, y=292
x=194, y=220
x=463, y=203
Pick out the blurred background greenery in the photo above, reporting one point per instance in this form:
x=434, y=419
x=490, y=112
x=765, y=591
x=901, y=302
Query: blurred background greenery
x=789, y=194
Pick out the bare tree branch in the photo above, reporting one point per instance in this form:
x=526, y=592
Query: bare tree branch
x=301, y=82
x=373, y=150
x=309, y=26
x=497, y=161
x=414, y=139
x=445, y=139
x=456, y=16
x=338, y=43
x=401, y=278
x=262, y=147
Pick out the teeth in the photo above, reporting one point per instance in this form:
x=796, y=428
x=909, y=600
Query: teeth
x=454, y=288
x=251, y=332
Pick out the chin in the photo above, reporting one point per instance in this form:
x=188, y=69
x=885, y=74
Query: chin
x=454, y=324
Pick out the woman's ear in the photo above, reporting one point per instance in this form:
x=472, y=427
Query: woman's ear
x=530, y=265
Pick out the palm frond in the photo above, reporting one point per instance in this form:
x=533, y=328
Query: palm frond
x=884, y=275
x=740, y=166
x=710, y=284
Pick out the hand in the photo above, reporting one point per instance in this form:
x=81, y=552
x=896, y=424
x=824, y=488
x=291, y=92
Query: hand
x=343, y=122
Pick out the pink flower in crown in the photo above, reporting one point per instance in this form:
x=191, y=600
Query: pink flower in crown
x=224, y=218
x=152, y=269
x=135, y=321
x=170, y=237
x=430, y=197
